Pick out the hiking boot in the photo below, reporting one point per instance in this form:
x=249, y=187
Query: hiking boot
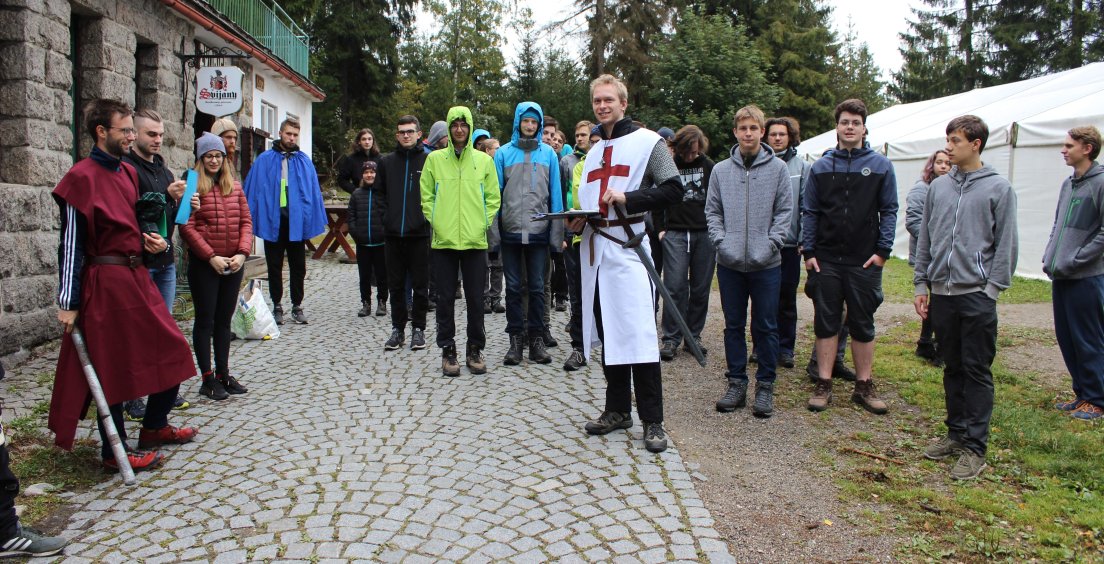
x=575, y=360
x=486, y=307
x=822, y=395
x=513, y=354
x=549, y=340
x=608, y=422
x=686, y=346
x=381, y=307
x=1068, y=405
x=232, y=385
x=449, y=365
x=138, y=460
x=1087, y=412
x=417, y=340
x=928, y=351
x=365, y=309
x=28, y=542
x=180, y=402
x=764, y=400
x=278, y=314
x=212, y=388
x=298, y=316
x=735, y=396
x=537, y=353
x=842, y=372
x=786, y=359
x=135, y=410
x=167, y=435
x=969, y=465
x=561, y=304
x=396, y=340
x=497, y=306
x=655, y=440
x=943, y=448
x=668, y=350
x=475, y=362
x=866, y=395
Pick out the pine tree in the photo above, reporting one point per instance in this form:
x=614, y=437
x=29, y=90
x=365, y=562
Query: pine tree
x=944, y=50
x=856, y=73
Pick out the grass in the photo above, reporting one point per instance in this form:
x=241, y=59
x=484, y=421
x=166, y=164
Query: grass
x=1041, y=498
x=897, y=286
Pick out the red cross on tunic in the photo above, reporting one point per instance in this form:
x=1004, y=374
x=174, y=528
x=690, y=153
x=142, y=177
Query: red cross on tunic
x=604, y=174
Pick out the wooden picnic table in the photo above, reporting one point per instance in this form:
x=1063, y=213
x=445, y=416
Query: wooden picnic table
x=336, y=215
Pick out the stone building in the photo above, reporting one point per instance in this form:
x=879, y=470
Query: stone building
x=55, y=55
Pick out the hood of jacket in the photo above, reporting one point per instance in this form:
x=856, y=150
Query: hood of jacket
x=455, y=113
x=521, y=109
x=966, y=180
x=766, y=154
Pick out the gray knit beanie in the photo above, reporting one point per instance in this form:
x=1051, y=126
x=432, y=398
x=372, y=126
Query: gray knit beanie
x=209, y=142
x=439, y=130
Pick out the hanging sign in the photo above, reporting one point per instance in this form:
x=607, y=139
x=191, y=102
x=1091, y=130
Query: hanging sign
x=219, y=90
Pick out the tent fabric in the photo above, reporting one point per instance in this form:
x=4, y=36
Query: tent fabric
x=1028, y=121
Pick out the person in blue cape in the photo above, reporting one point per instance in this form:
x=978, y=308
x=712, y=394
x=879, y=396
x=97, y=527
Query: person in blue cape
x=286, y=203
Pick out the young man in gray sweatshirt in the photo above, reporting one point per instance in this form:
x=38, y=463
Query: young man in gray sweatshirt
x=965, y=256
x=1074, y=259
x=747, y=212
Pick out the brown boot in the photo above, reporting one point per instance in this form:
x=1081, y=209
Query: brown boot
x=866, y=396
x=822, y=395
x=475, y=361
x=449, y=365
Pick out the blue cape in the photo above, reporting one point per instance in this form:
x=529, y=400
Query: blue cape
x=306, y=214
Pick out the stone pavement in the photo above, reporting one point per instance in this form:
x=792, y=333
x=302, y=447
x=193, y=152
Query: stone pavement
x=342, y=451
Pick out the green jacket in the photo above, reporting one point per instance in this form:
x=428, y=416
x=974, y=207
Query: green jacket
x=460, y=195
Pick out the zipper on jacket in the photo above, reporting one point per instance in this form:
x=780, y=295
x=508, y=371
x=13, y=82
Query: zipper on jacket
x=954, y=230
x=369, y=215
x=406, y=191
x=747, y=214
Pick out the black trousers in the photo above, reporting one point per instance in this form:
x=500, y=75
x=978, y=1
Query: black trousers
x=559, y=276
x=214, y=296
x=575, y=292
x=471, y=265
x=966, y=332
x=296, y=252
x=620, y=379
x=372, y=260
x=408, y=257
x=9, y=488
x=158, y=407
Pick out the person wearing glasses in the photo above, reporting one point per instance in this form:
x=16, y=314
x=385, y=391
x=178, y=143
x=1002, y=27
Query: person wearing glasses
x=406, y=233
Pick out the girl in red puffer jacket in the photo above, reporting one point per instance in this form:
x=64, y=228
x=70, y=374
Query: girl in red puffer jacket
x=219, y=237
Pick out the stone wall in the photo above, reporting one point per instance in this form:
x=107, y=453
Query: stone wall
x=37, y=124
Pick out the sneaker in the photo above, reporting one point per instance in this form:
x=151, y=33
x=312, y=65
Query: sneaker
x=1087, y=411
x=786, y=359
x=822, y=395
x=575, y=360
x=655, y=440
x=537, y=353
x=1068, y=405
x=180, y=402
x=139, y=461
x=475, y=362
x=609, y=422
x=232, y=385
x=943, y=448
x=381, y=307
x=735, y=396
x=487, y=308
x=549, y=340
x=866, y=395
x=764, y=400
x=213, y=389
x=417, y=339
x=498, y=307
x=398, y=337
x=449, y=365
x=668, y=350
x=135, y=410
x=969, y=465
x=27, y=542
x=167, y=435
x=278, y=314
x=365, y=309
x=516, y=350
x=298, y=316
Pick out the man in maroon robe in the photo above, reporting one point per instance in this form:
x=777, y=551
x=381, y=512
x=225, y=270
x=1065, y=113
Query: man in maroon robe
x=133, y=342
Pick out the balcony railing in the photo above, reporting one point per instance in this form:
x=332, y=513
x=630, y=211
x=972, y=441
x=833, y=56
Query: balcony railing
x=269, y=24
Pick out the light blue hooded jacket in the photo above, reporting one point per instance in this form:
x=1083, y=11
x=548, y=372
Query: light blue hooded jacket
x=529, y=174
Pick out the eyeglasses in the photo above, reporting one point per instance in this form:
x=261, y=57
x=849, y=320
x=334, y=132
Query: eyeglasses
x=213, y=157
x=127, y=131
x=406, y=132
x=852, y=123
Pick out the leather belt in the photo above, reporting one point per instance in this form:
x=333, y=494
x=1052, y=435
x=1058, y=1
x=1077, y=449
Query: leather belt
x=615, y=222
x=131, y=261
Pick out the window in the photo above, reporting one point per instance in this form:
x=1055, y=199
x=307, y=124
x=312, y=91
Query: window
x=269, y=123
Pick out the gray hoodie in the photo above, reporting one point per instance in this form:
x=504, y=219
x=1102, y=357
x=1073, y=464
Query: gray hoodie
x=748, y=211
x=1076, y=246
x=914, y=214
x=968, y=238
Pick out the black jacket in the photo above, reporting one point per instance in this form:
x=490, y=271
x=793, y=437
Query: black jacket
x=398, y=193
x=155, y=177
x=689, y=215
x=350, y=168
x=365, y=218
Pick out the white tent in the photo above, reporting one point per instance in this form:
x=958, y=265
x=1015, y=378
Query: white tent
x=1027, y=122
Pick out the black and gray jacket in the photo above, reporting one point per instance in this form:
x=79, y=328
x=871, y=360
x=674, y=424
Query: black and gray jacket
x=1076, y=246
x=399, y=194
x=689, y=214
x=968, y=238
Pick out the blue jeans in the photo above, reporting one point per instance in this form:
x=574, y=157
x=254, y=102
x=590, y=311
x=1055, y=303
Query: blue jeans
x=1079, y=327
x=164, y=278
x=689, y=260
x=762, y=288
x=535, y=260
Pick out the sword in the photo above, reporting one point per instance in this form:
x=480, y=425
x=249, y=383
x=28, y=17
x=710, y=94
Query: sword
x=668, y=303
x=117, y=448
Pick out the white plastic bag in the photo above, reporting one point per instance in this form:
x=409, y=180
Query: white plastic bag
x=252, y=319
